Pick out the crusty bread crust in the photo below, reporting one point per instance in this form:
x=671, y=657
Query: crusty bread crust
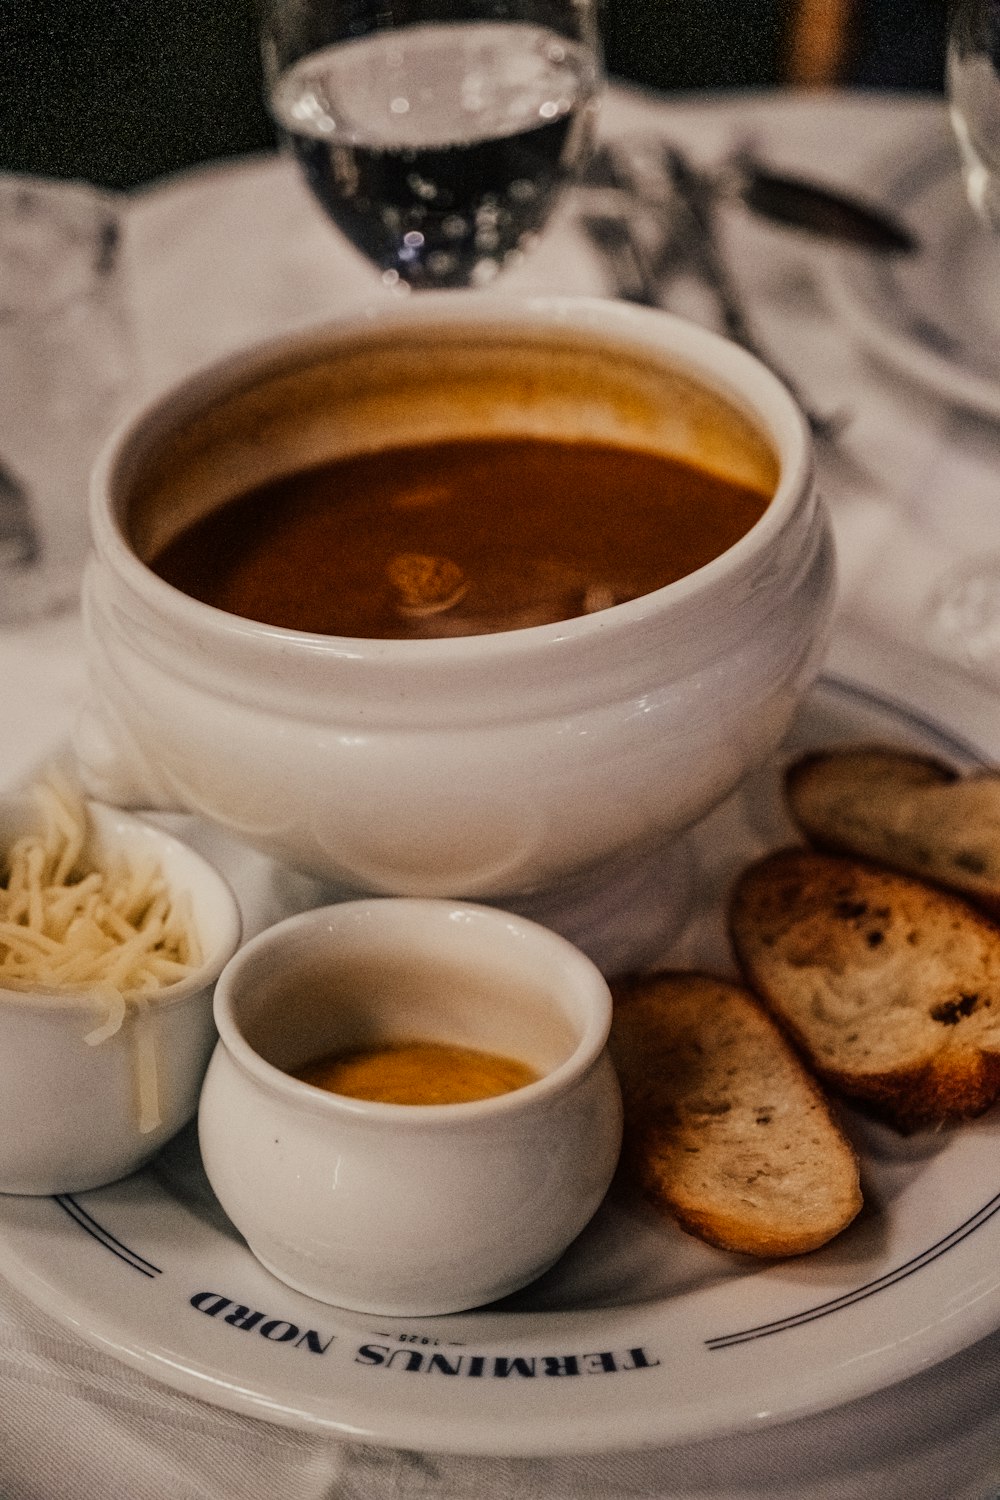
x=890, y=987
x=907, y=811
x=724, y=1128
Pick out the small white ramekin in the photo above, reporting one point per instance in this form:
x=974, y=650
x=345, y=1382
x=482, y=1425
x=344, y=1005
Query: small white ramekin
x=403, y=1209
x=69, y=1110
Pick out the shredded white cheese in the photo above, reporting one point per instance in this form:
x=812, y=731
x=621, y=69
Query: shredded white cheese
x=112, y=932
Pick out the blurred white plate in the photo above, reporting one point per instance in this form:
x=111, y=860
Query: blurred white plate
x=641, y=1335
x=935, y=315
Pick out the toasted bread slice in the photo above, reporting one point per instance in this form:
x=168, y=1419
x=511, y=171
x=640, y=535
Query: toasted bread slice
x=889, y=986
x=909, y=812
x=724, y=1128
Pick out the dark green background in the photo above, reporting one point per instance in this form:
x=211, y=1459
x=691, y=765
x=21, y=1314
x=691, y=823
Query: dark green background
x=121, y=92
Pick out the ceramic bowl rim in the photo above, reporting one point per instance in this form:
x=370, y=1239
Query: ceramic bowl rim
x=705, y=355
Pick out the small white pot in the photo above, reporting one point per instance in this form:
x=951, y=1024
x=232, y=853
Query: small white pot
x=409, y=1209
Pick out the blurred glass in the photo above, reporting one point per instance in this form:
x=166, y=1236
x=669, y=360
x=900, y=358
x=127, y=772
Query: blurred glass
x=965, y=609
x=64, y=366
x=436, y=134
x=973, y=82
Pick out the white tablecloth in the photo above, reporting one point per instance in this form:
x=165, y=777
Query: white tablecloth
x=237, y=251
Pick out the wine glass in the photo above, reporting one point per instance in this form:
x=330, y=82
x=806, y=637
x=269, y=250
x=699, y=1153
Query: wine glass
x=966, y=603
x=437, y=134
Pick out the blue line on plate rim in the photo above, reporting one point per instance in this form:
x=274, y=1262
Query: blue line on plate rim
x=902, y=710
x=104, y=1237
x=867, y=1289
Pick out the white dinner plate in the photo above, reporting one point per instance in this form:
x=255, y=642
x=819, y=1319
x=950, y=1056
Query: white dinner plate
x=934, y=315
x=641, y=1334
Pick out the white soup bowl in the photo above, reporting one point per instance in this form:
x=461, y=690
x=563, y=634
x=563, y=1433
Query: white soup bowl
x=491, y=767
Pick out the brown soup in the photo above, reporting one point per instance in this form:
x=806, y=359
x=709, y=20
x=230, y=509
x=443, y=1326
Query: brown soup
x=462, y=537
x=417, y=1073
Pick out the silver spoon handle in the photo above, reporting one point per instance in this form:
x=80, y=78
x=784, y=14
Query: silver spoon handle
x=696, y=200
x=634, y=278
